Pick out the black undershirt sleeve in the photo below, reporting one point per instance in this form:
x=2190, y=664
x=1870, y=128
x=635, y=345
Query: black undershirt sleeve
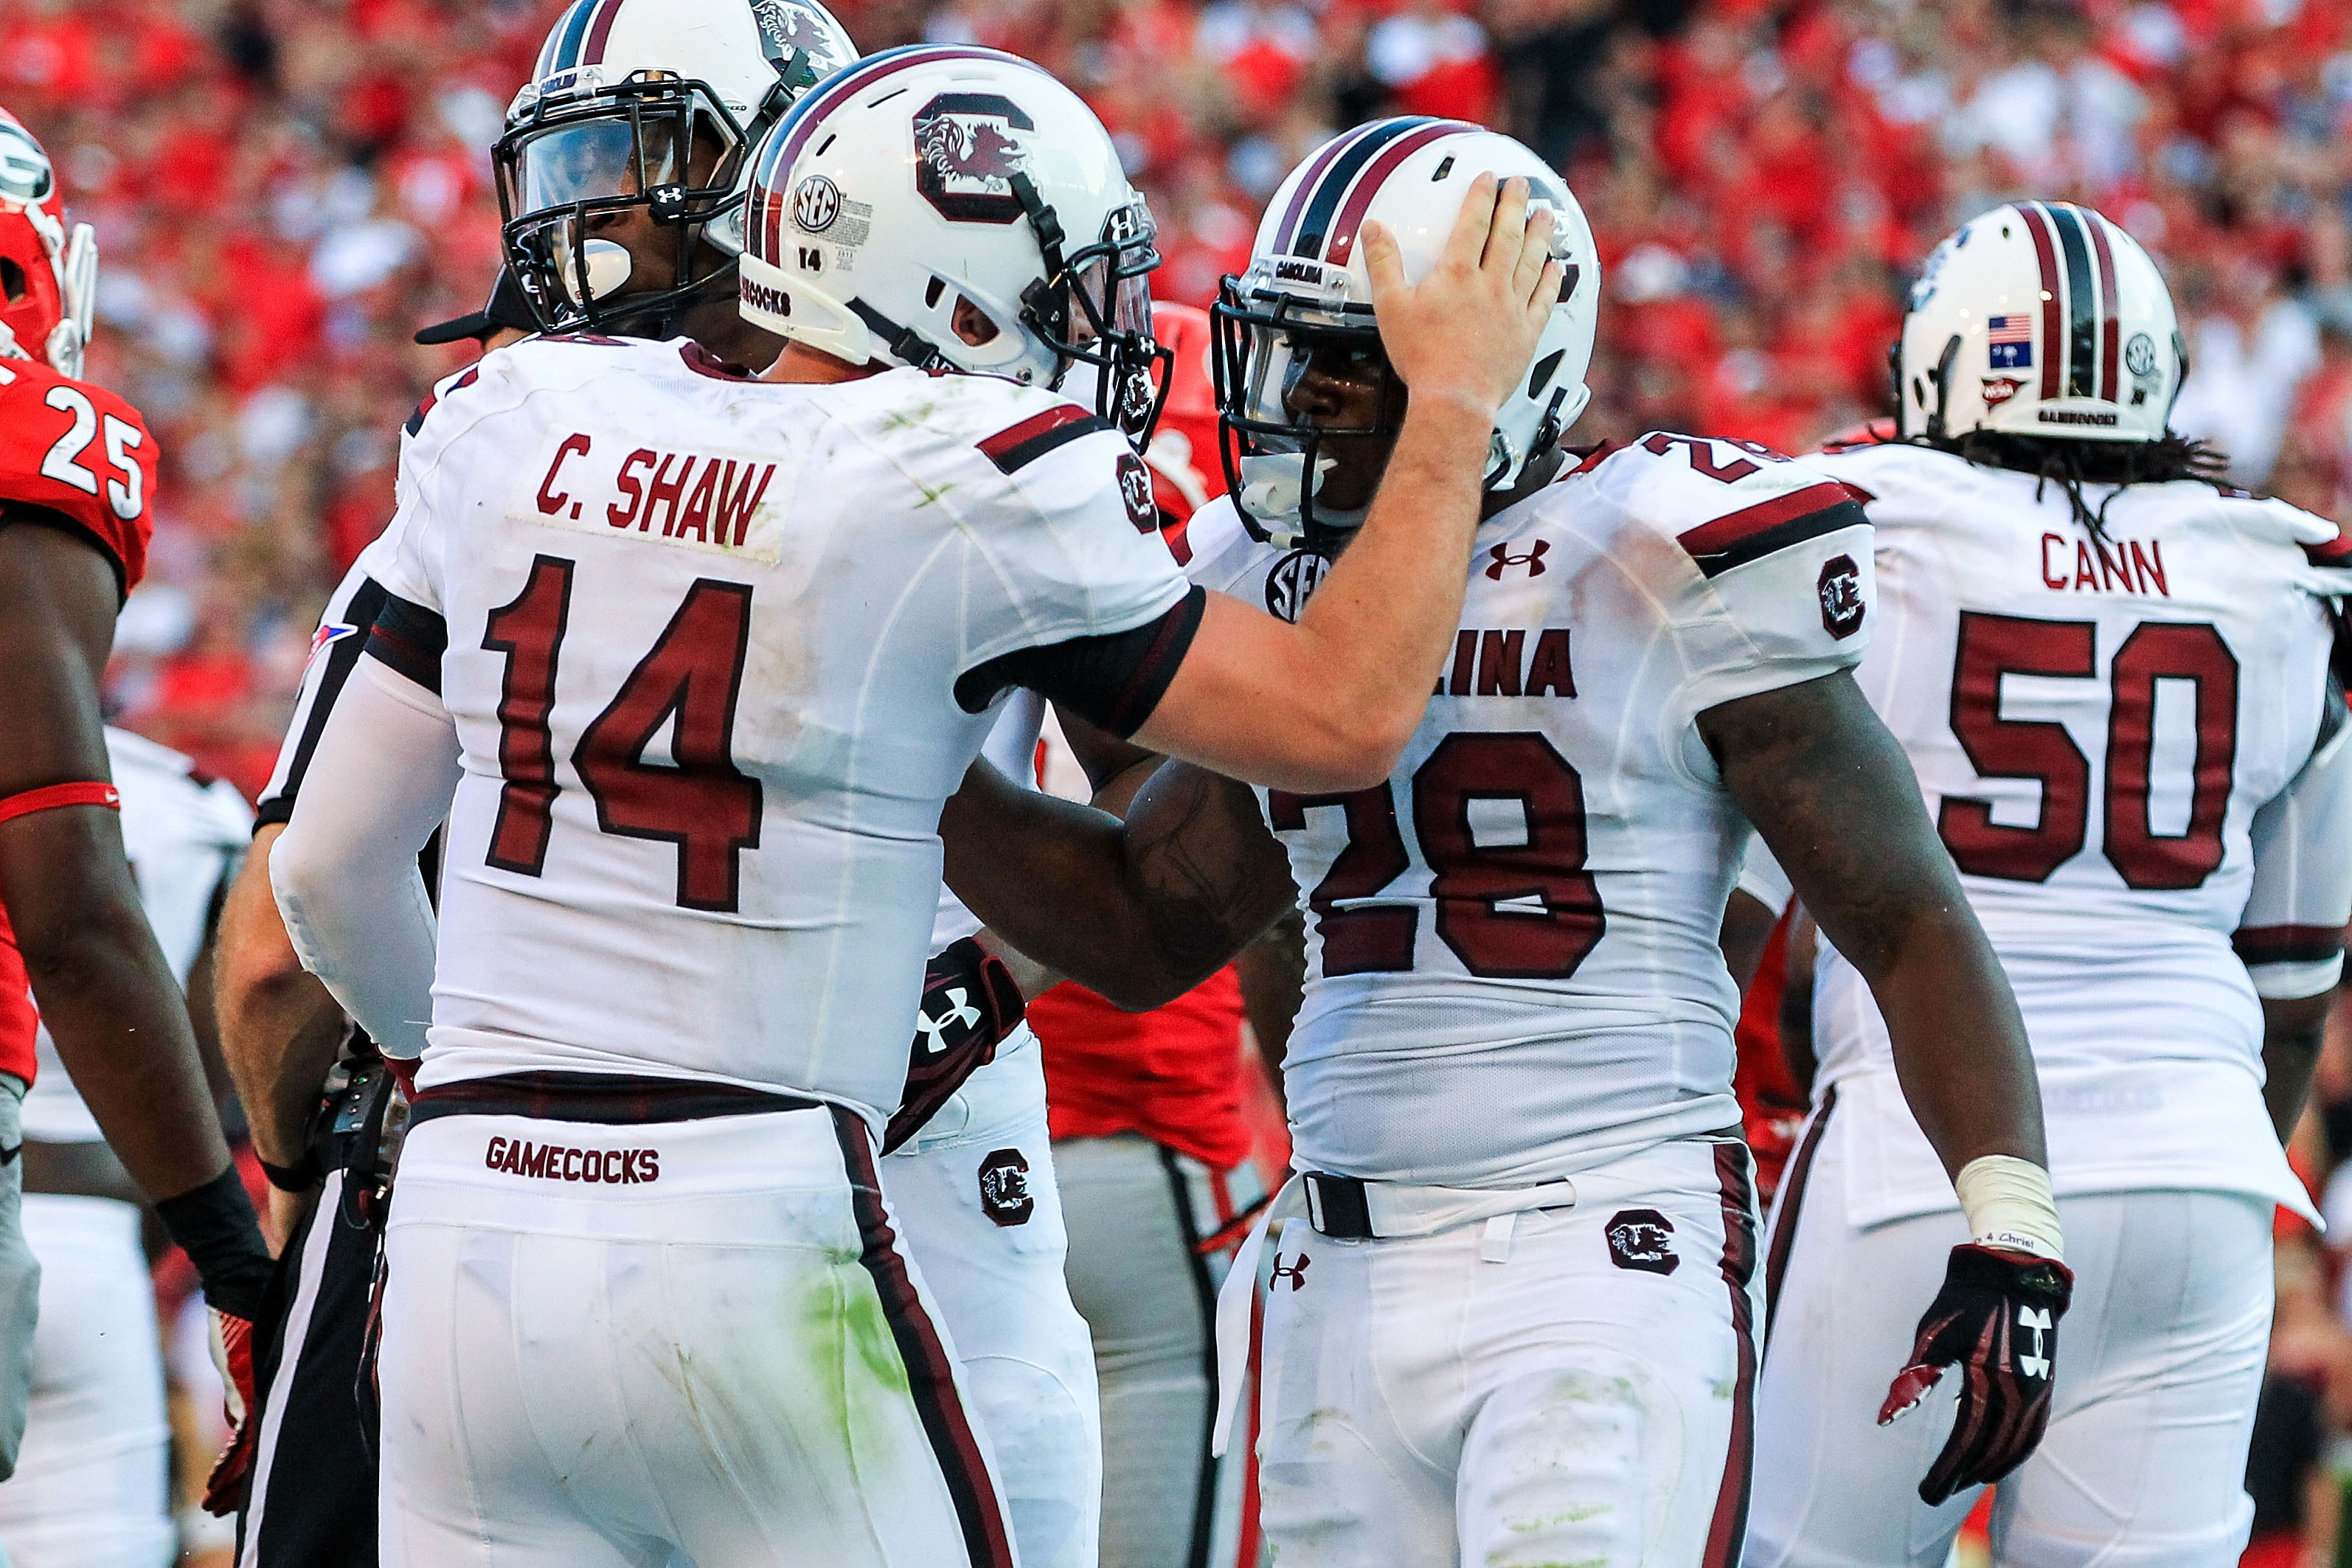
x=1113, y=681
x=411, y=639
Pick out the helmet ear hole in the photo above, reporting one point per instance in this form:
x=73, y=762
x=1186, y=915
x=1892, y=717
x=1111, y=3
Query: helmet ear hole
x=12, y=288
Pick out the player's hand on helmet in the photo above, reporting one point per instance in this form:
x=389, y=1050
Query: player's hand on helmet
x=1996, y=1319
x=1467, y=329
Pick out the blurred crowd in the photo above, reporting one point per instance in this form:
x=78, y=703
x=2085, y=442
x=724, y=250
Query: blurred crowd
x=284, y=190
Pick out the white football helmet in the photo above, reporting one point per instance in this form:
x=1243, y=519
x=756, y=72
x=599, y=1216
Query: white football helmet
x=1307, y=289
x=654, y=104
x=929, y=173
x=2038, y=318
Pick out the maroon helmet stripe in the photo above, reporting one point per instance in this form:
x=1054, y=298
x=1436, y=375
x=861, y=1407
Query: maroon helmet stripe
x=1290, y=215
x=598, y=31
x=2045, y=250
x=1341, y=242
x=2110, y=319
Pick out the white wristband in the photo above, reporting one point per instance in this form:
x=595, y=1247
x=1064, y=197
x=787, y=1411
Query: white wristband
x=2009, y=1203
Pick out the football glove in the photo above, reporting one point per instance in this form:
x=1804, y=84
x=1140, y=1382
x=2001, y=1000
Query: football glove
x=970, y=1002
x=1997, y=1319
x=215, y=1225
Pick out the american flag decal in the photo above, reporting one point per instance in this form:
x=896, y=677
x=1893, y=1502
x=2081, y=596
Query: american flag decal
x=2010, y=341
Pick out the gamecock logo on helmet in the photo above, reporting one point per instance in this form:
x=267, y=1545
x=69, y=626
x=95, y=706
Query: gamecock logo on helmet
x=968, y=147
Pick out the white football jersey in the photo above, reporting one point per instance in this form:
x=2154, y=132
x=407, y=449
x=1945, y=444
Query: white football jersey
x=2127, y=744
x=186, y=835
x=703, y=641
x=1512, y=968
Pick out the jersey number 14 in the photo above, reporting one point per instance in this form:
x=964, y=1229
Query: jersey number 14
x=687, y=684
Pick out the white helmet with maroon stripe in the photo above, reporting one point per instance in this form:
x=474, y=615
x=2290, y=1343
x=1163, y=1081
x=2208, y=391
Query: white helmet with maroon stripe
x=2038, y=318
x=1307, y=284
x=651, y=104
x=930, y=174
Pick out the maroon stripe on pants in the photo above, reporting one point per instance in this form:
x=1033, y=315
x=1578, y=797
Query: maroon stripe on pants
x=1728, y=1533
x=930, y=1372
x=1792, y=1204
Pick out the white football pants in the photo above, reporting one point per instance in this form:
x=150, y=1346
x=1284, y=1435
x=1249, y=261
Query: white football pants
x=1564, y=1385
x=1141, y=1215
x=89, y=1492
x=2159, y=1363
x=701, y=1335
x=981, y=1212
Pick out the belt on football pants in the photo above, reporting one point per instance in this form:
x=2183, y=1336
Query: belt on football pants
x=1349, y=1208
x=617, y=1099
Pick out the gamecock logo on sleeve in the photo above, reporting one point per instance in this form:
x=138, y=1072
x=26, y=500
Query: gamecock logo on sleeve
x=968, y=147
x=1841, y=603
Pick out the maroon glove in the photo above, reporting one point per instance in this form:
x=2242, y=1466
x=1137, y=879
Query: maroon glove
x=1996, y=1316
x=970, y=1002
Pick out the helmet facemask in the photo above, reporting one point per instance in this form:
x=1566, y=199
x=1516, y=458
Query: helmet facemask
x=654, y=142
x=1263, y=342
x=1093, y=306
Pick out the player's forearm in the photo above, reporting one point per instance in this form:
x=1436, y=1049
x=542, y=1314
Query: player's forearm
x=279, y=1029
x=1960, y=1051
x=120, y=1026
x=344, y=871
x=1141, y=912
x=2292, y=1033
x=1381, y=625
x=1839, y=807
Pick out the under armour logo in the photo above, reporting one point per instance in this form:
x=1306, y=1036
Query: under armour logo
x=935, y=1030
x=2035, y=1321
x=1532, y=560
x=1296, y=1273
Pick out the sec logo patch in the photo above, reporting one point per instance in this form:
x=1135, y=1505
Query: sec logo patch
x=1294, y=577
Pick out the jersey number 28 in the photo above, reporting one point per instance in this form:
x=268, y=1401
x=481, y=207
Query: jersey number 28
x=688, y=685
x=1528, y=911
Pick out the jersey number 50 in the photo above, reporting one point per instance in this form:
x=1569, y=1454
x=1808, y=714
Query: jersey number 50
x=1522, y=911
x=1991, y=647
x=687, y=684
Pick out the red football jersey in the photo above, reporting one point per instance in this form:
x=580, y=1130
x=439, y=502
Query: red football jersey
x=20, y=1022
x=1771, y=1106
x=83, y=453
x=1173, y=1074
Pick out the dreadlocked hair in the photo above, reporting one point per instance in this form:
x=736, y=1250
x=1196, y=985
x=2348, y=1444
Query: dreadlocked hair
x=2071, y=465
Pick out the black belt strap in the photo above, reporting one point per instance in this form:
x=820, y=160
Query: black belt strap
x=1336, y=1207
x=612, y=1099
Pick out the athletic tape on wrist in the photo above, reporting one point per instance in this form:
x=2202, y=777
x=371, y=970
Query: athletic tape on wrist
x=2009, y=1203
x=50, y=797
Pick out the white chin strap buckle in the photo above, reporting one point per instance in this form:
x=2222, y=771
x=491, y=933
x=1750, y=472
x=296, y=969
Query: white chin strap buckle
x=608, y=268
x=1272, y=486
